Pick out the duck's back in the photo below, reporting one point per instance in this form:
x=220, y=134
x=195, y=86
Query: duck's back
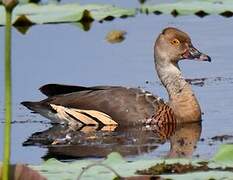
x=124, y=106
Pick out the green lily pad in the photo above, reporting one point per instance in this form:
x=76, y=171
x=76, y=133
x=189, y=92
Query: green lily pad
x=191, y=7
x=53, y=169
x=58, y=13
x=224, y=154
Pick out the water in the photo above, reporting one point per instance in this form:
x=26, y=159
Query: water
x=64, y=53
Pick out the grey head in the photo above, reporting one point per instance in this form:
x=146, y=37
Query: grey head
x=173, y=45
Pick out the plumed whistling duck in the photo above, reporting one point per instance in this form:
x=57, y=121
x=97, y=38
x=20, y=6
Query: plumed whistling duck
x=121, y=106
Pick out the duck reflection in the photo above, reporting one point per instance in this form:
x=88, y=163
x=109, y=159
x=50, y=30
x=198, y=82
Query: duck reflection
x=91, y=141
x=184, y=140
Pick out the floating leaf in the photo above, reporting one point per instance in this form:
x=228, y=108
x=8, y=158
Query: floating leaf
x=225, y=153
x=54, y=169
x=114, y=158
x=200, y=8
x=58, y=13
x=115, y=36
x=86, y=26
x=22, y=29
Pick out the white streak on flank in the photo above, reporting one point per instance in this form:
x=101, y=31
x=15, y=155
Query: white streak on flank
x=62, y=114
x=62, y=140
x=143, y=90
x=149, y=94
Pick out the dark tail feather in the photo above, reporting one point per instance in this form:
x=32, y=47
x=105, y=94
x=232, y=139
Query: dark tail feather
x=35, y=106
x=58, y=89
x=28, y=104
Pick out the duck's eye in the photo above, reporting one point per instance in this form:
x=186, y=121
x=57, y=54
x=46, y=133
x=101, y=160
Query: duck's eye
x=175, y=42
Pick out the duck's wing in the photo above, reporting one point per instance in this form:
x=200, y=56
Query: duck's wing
x=58, y=89
x=101, y=104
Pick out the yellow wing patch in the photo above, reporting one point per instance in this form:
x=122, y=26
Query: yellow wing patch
x=104, y=118
x=87, y=117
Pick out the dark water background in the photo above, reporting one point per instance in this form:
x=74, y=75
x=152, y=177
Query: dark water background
x=64, y=53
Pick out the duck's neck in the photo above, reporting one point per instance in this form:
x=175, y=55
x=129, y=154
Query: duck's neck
x=181, y=97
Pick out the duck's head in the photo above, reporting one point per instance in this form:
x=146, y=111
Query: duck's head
x=173, y=45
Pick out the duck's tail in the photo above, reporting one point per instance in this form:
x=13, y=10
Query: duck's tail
x=43, y=109
x=34, y=106
x=72, y=116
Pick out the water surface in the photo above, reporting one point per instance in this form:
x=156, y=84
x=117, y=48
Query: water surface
x=64, y=53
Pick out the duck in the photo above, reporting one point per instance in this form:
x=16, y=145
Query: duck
x=78, y=106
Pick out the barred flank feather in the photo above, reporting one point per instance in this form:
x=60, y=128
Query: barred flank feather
x=164, y=121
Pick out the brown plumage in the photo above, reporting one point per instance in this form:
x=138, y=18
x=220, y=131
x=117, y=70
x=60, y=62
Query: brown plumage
x=126, y=106
x=111, y=105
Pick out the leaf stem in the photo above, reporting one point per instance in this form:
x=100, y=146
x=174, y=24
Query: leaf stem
x=98, y=164
x=8, y=111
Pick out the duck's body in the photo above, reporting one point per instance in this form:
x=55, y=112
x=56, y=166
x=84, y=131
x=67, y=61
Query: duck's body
x=128, y=106
x=125, y=106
